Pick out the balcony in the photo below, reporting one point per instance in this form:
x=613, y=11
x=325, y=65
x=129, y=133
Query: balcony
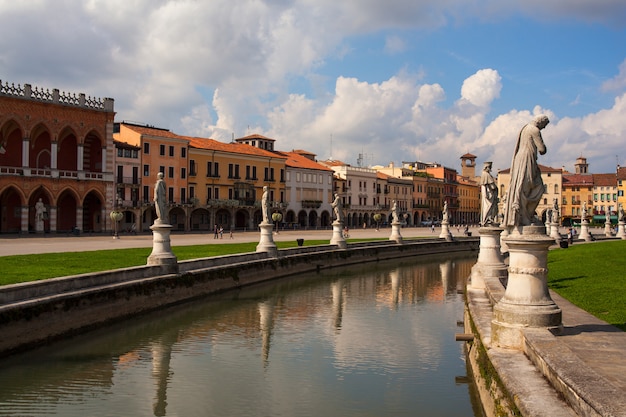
x=127, y=180
x=314, y=204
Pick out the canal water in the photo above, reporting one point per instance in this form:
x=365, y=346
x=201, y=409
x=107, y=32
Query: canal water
x=372, y=340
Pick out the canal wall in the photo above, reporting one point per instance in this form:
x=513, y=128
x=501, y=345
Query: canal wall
x=34, y=313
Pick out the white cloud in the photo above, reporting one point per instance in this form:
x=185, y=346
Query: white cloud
x=482, y=88
x=618, y=83
x=218, y=68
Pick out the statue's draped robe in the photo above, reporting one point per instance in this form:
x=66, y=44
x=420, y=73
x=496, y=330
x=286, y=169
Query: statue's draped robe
x=526, y=187
x=489, y=200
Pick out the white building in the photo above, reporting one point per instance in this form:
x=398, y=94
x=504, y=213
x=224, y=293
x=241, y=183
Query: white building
x=308, y=191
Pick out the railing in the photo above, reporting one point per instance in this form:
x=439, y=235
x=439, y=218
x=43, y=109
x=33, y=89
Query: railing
x=39, y=94
x=311, y=204
x=127, y=180
x=11, y=171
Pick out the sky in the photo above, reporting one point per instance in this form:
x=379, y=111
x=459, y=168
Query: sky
x=366, y=82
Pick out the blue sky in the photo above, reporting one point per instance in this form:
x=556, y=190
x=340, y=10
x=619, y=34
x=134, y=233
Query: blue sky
x=396, y=80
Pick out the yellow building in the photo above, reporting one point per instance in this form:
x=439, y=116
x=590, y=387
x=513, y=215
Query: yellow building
x=553, y=184
x=161, y=151
x=211, y=184
x=469, y=200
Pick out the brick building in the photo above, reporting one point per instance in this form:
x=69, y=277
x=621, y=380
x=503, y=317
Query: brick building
x=56, y=147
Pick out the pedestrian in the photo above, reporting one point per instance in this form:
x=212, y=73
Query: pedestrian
x=216, y=232
x=231, y=234
x=221, y=232
x=432, y=228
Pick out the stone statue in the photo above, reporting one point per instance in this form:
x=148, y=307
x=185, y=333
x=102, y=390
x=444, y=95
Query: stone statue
x=265, y=205
x=159, y=199
x=40, y=210
x=583, y=211
x=337, y=208
x=526, y=187
x=489, y=197
x=607, y=216
x=555, y=212
x=444, y=213
x=620, y=213
x=394, y=212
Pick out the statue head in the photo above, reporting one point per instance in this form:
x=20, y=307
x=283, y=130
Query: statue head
x=160, y=176
x=541, y=121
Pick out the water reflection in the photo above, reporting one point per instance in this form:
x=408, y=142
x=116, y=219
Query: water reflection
x=373, y=340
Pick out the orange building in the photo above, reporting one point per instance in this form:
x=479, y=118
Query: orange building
x=160, y=151
x=57, y=148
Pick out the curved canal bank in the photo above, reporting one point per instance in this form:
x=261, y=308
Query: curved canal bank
x=579, y=372
x=36, y=312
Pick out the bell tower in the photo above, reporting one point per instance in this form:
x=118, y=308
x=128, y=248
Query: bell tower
x=468, y=165
x=581, y=165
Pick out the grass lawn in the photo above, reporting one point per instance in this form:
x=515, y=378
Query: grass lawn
x=593, y=277
x=24, y=268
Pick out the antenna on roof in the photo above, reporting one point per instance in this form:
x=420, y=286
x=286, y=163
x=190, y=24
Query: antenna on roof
x=233, y=137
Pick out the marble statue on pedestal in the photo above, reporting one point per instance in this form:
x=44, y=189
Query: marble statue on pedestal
x=40, y=210
x=526, y=302
x=337, y=209
x=394, y=212
x=526, y=187
x=265, y=205
x=159, y=199
x=489, y=197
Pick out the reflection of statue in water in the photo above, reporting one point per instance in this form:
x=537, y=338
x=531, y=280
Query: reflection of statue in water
x=265, y=205
x=526, y=187
x=40, y=210
x=489, y=197
x=159, y=199
x=394, y=212
x=337, y=208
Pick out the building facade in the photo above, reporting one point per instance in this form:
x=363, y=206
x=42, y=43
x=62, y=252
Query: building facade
x=57, y=148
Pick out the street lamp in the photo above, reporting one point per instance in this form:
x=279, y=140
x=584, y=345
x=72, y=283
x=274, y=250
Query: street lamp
x=276, y=218
x=377, y=218
x=116, y=216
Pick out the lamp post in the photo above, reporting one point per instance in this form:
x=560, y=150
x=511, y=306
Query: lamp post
x=116, y=216
x=377, y=218
x=276, y=218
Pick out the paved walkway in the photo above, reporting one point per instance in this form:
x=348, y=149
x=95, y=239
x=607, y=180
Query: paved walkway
x=32, y=244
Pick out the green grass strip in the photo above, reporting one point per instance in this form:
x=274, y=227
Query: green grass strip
x=25, y=268
x=592, y=276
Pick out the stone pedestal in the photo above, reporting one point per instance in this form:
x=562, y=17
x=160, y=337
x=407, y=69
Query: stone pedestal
x=503, y=247
x=526, y=301
x=490, y=262
x=554, y=232
x=161, y=249
x=445, y=231
x=338, y=238
x=584, y=231
x=266, y=241
x=607, y=229
x=621, y=230
x=395, y=232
